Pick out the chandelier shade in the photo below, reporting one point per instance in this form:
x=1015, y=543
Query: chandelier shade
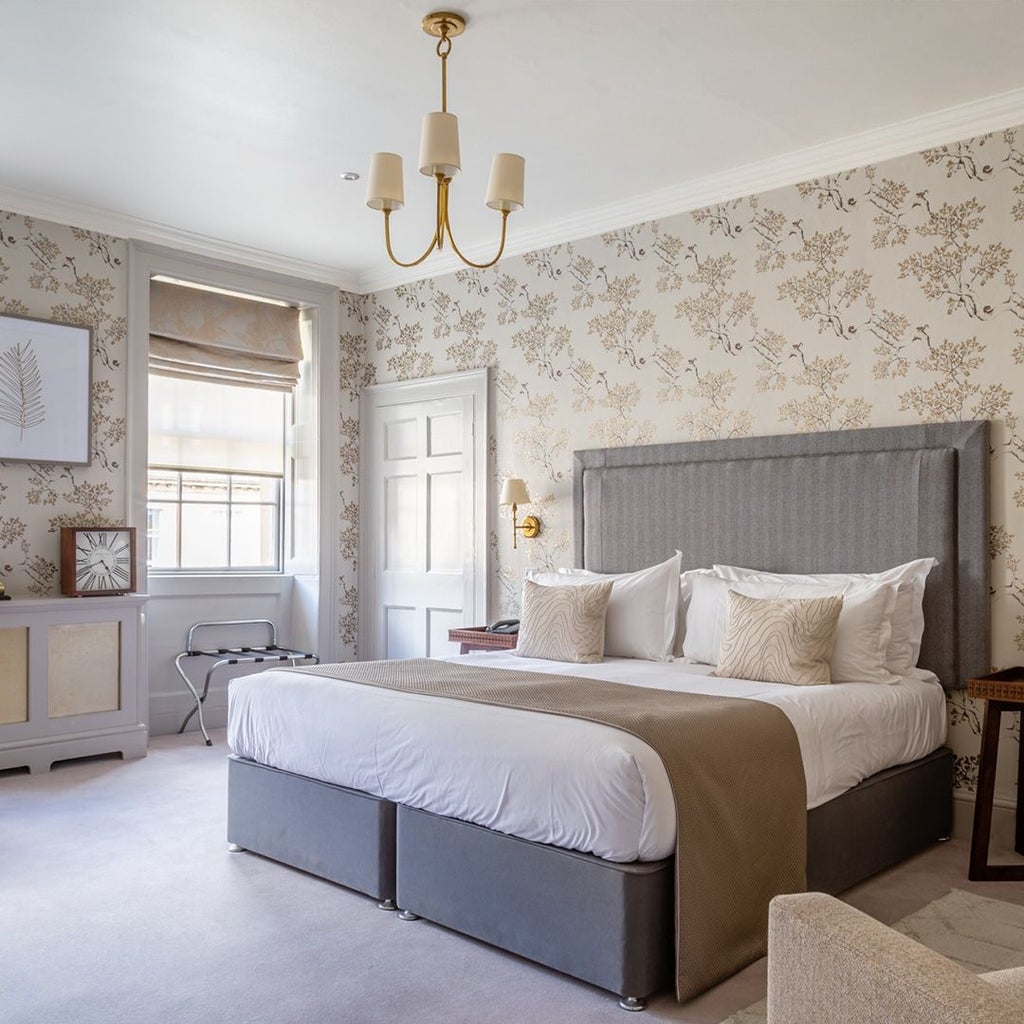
x=384, y=186
x=441, y=159
x=439, y=145
x=505, y=186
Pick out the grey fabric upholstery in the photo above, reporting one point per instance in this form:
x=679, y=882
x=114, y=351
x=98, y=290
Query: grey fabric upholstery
x=841, y=501
x=609, y=924
x=880, y=822
x=830, y=964
x=333, y=832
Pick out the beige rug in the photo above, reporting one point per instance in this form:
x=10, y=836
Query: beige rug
x=980, y=933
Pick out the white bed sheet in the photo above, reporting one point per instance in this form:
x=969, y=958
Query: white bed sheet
x=552, y=779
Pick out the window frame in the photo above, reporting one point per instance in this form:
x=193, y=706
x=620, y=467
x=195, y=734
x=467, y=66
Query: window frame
x=313, y=475
x=178, y=502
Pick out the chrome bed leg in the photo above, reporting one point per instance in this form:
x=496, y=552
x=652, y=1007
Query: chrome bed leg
x=633, y=1003
x=235, y=848
x=408, y=915
x=387, y=904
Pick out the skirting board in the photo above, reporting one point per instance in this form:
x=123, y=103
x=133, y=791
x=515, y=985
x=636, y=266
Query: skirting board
x=1003, y=821
x=166, y=711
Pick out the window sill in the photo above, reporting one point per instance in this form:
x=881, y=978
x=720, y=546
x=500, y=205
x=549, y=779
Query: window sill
x=184, y=585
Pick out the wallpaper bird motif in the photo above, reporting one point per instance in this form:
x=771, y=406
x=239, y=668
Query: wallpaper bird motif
x=880, y=296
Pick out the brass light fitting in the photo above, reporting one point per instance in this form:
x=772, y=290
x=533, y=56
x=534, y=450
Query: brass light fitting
x=514, y=492
x=440, y=158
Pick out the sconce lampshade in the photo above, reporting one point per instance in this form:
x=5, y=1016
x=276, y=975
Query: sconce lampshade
x=514, y=492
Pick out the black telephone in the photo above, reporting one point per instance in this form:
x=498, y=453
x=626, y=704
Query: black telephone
x=503, y=626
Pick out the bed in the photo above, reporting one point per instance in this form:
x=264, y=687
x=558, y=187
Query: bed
x=840, y=501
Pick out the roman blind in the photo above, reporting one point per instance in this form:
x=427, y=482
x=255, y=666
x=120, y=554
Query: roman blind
x=228, y=339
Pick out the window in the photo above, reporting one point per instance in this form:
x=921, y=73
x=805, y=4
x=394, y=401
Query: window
x=216, y=477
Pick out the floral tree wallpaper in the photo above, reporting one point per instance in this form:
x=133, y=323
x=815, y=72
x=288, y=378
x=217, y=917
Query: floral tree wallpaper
x=79, y=277
x=879, y=296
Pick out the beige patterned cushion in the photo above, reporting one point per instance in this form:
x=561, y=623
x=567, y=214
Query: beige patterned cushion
x=563, y=623
x=779, y=640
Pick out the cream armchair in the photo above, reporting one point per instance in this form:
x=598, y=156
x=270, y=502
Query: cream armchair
x=830, y=964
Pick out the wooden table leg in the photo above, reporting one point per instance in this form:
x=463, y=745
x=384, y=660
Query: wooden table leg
x=1019, y=844
x=979, y=870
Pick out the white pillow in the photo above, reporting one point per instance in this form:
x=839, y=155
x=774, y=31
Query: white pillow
x=685, y=592
x=563, y=623
x=862, y=637
x=908, y=616
x=642, y=610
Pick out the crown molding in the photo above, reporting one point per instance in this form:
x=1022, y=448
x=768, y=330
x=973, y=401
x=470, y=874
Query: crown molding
x=873, y=146
x=123, y=225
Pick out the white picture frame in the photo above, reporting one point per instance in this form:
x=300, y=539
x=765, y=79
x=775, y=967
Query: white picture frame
x=45, y=391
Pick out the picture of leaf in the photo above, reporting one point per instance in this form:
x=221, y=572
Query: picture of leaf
x=21, y=388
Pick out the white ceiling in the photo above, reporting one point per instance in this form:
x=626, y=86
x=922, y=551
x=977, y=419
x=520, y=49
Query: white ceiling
x=221, y=126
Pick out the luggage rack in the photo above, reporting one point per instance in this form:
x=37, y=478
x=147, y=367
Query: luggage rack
x=244, y=655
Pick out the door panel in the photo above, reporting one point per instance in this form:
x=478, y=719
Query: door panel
x=439, y=621
x=445, y=435
x=401, y=528
x=399, y=632
x=444, y=511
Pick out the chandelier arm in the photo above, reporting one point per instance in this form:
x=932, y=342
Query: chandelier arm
x=441, y=209
x=469, y=262
x=387, y=241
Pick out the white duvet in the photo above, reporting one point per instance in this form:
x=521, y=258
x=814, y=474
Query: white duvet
x=552, y=779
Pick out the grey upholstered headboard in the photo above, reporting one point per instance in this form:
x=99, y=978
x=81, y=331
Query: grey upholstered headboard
x=840, y=501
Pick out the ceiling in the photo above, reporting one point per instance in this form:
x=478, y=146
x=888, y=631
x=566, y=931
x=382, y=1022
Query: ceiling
x=221, y=126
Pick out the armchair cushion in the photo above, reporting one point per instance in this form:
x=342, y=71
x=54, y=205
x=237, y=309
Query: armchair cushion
x=1010, y=981
x=830, y=964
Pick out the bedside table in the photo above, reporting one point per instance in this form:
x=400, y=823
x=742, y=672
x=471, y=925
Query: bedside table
x=1001, y=691
x=476, y=638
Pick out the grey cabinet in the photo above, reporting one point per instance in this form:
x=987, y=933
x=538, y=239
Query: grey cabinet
x=71, y=679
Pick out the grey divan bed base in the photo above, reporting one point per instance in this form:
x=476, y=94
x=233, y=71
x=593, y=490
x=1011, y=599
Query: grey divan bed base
x=860, y=500
x=606, y=923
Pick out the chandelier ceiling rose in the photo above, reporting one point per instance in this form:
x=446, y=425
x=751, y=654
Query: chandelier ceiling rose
x=444, y=23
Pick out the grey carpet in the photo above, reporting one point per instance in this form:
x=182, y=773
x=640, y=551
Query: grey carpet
x=120, y=904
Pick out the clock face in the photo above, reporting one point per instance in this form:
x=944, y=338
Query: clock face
x=103, y=560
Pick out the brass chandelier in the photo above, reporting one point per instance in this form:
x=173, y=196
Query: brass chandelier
x=440, y=159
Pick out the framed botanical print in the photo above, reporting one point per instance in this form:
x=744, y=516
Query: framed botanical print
x=45, y=383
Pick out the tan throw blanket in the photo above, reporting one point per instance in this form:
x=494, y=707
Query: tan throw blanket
x=736, y=773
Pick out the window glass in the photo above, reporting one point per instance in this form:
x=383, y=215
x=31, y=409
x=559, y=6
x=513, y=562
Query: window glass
x=216, y=477
x=162, y=535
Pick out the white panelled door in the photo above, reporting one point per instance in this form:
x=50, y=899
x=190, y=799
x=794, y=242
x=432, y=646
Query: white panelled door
x=422, y=514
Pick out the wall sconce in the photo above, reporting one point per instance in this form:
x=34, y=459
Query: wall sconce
x=514, y=493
